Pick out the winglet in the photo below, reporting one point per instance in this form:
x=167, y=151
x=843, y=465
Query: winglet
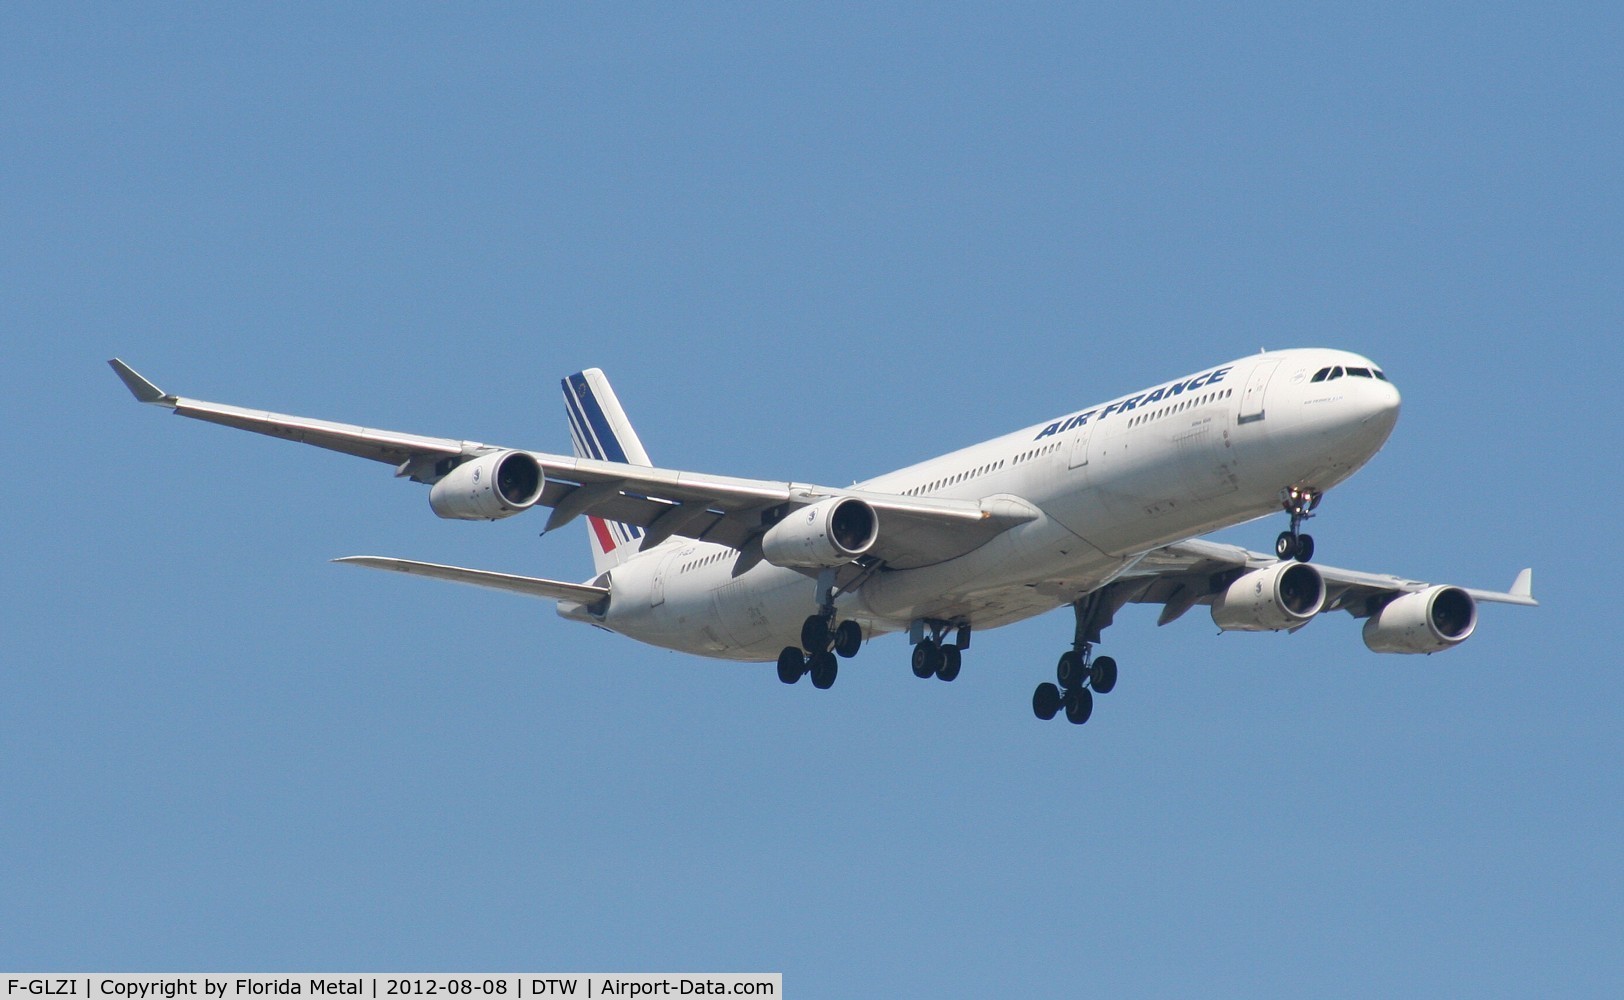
x=1523, y=586
x=139, y=387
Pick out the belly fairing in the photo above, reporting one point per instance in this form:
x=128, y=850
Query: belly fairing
x=1039, y=550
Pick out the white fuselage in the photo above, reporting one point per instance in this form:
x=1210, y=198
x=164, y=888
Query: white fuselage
x=1108, y=483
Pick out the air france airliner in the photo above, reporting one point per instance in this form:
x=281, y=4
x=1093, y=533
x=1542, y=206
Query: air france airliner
x=1096, y=509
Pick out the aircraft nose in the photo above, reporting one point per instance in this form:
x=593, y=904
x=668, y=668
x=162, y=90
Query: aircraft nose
x=1375, y=406
x=1383, y=401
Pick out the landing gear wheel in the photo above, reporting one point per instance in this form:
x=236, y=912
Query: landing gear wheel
x=1299, y=502
x=1069, y=671
x=824, y=669
x=815, y=634
x=951, y=661
x=926, y=659
x=1102, y=676
x=848, y=638
x=791, y=665
x=1079, y=706
x=1046, y=701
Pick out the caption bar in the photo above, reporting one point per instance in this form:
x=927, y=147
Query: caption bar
x=378, y=986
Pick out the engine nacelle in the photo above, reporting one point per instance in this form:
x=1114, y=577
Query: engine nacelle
x=830, y=532
x=490, y=487
x=1281, y=596
x=1423, y=622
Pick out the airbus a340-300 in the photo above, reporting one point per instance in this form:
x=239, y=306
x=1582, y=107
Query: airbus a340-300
x=1096, y=509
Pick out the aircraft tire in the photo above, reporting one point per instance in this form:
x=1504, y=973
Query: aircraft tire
x=1069, y=671
x=952, y=660
x=1102, y=676
x=1046, y=701
x=848, y=638
x=791, y=665
x=1079, y=706
x=923, y=666
x=815, y=634
x=1285, y=546
x=824, y=670
x=1305, y=548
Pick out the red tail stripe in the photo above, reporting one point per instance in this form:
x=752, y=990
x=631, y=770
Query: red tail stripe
x=606, y=541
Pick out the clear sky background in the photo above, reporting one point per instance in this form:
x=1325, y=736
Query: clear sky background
x=813, y=243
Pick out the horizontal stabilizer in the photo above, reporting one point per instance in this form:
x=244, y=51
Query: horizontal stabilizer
x=531, y=586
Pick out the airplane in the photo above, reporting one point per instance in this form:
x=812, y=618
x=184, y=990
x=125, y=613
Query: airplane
x=1096, y=509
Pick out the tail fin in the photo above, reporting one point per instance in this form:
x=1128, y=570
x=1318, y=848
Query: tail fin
x=600, y=430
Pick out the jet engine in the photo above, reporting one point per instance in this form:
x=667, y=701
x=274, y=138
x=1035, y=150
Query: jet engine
x=1423, y=622
x=1281, y=596
x=828, y=533
x=490, y=487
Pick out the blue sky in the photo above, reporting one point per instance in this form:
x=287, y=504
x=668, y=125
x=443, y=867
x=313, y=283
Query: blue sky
x=812, y=243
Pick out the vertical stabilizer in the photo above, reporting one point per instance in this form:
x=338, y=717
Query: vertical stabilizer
x=600, y=430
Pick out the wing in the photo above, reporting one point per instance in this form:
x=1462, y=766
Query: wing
x=915, y=531
x=1184, y=574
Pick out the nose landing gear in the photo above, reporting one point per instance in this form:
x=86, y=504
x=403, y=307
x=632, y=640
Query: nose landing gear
x=1299, y=502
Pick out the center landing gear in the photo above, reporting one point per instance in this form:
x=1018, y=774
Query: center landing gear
x=1080, y=674
x=933, y=657
x=1299, y=502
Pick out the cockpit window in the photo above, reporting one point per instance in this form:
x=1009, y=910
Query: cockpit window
x=1319, y=376
x=1378, y=373
x=1336, y=372
x=1359, y=372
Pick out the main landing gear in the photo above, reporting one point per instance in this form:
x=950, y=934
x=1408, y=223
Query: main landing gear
x=818, y=634
x=934, y=658
x=1298, y=501
x=1080, y=674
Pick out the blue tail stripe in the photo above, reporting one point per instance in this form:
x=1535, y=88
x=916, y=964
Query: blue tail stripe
x=612, y=450
x=595, y=444
x=584, y=444
x=578, y=423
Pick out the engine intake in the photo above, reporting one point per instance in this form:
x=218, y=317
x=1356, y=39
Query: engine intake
x=1281, y=596
x=828, y=533
x=1426, y=621
x=489, y=488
